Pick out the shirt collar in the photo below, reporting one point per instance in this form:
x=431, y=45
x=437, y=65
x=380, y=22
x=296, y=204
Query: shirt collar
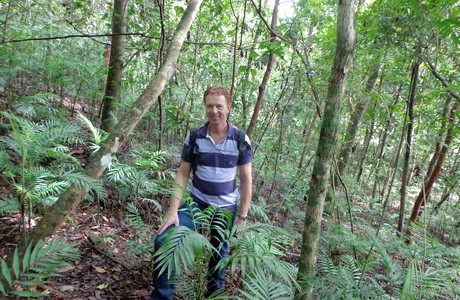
x=230, y=129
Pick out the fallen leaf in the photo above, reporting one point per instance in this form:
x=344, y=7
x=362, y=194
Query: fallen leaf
x=103, y=286
x=116, y=277
x=67, y=288
x=99, y=269
x=105, y=218
x=66, y=268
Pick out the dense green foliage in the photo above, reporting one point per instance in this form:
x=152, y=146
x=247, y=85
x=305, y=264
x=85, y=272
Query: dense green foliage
x=52, y=66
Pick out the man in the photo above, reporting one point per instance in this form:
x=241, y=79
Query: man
x=215, y=162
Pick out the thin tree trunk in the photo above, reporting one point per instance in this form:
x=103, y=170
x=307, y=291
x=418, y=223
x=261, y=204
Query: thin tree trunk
x=161, y=47
x=309, y=126
x=245, y=83
x=268, y=70
x=367, y=142
x=355, y=120
x=235, y=50
x=117, y=49
x=426, y=189
x=410, y=126
x=328, y=138
x=277, y=159
x=98, y=162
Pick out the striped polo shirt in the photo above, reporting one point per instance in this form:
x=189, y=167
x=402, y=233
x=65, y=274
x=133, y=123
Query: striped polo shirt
x=214, y=178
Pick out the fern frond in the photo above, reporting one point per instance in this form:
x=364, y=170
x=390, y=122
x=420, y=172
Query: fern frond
x=97, y=134
x=181, y=246
x=55, y=133
x=261, y=285
x=132, y=216
x=120, y=173
x=259, y=210
x=38, y=262
x=8, y=204
x=325, y=266
x=84, y=182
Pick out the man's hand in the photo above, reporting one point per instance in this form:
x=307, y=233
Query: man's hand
x=239, y=224
x=172, y=218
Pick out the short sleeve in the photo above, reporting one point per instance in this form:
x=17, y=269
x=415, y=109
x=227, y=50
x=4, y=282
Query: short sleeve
x=246, y=156
x=186, y=156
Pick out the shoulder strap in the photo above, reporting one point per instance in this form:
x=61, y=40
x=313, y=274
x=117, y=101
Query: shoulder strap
x=192, y=145
x=241, y=140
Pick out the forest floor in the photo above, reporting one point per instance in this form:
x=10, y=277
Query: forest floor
x=106, y=269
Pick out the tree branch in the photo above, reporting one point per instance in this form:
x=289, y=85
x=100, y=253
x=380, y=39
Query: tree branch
x=440, y=78
x=104, y=35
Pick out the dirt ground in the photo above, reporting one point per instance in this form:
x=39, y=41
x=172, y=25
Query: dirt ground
x=106, y=269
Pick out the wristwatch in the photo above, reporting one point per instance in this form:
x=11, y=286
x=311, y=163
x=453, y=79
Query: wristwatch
x=244, y=218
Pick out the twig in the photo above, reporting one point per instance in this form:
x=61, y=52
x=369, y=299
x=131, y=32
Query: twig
x=440, y=78
x=93, y=246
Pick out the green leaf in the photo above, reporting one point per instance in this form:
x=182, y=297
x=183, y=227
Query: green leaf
x=16, y=263
x=179, y=10
x=6, y=272
x=30, y=294
x=2, y=289
x=26, y=258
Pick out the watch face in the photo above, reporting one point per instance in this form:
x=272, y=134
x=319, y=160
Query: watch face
x=243, y=218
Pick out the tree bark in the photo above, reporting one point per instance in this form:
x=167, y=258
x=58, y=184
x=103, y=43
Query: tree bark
x=98, y=162
x=410, y=126
x=426, y=189
x=117, y=49
x=268, y=70
x=328, y=137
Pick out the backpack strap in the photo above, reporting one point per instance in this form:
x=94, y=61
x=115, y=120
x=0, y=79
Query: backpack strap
x=192, y=146
x=241, y=145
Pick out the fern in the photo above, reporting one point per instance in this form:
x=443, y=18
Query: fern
x=420, y=284
x=37, y=106
x=181, y=247
x=262, y=285
x=8, y=204
x=98, y=135
x=260, y=247
x=38, y=264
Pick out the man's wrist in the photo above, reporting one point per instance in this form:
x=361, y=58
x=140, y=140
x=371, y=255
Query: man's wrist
x=243, y=217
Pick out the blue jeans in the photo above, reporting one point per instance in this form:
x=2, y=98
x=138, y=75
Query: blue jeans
x=164, y=288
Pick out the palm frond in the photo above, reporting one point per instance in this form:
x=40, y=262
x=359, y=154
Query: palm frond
x=98, y=135
x=38, y=264
x=8, y=204
x=427, y=284
x=181, y=247
x=262, y=285
x=84, y=182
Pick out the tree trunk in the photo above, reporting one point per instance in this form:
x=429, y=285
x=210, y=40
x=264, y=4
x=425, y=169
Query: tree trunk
x=117, y=49
x=426, y=189
x=355, y=120
x=309, y=126
x=98, y=162
x=328, y=137
x=245, y=83
x=161, y=46
x=410, y=126
x=268, y=70
x=367, y=142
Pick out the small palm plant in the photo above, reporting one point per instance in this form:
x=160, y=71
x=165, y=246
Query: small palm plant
x=38, y=165
x=256, y=253
x=37, y=264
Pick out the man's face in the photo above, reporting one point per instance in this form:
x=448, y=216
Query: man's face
x=217, y=109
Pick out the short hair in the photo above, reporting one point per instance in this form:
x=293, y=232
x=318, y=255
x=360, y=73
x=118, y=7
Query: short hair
x=219, y=91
